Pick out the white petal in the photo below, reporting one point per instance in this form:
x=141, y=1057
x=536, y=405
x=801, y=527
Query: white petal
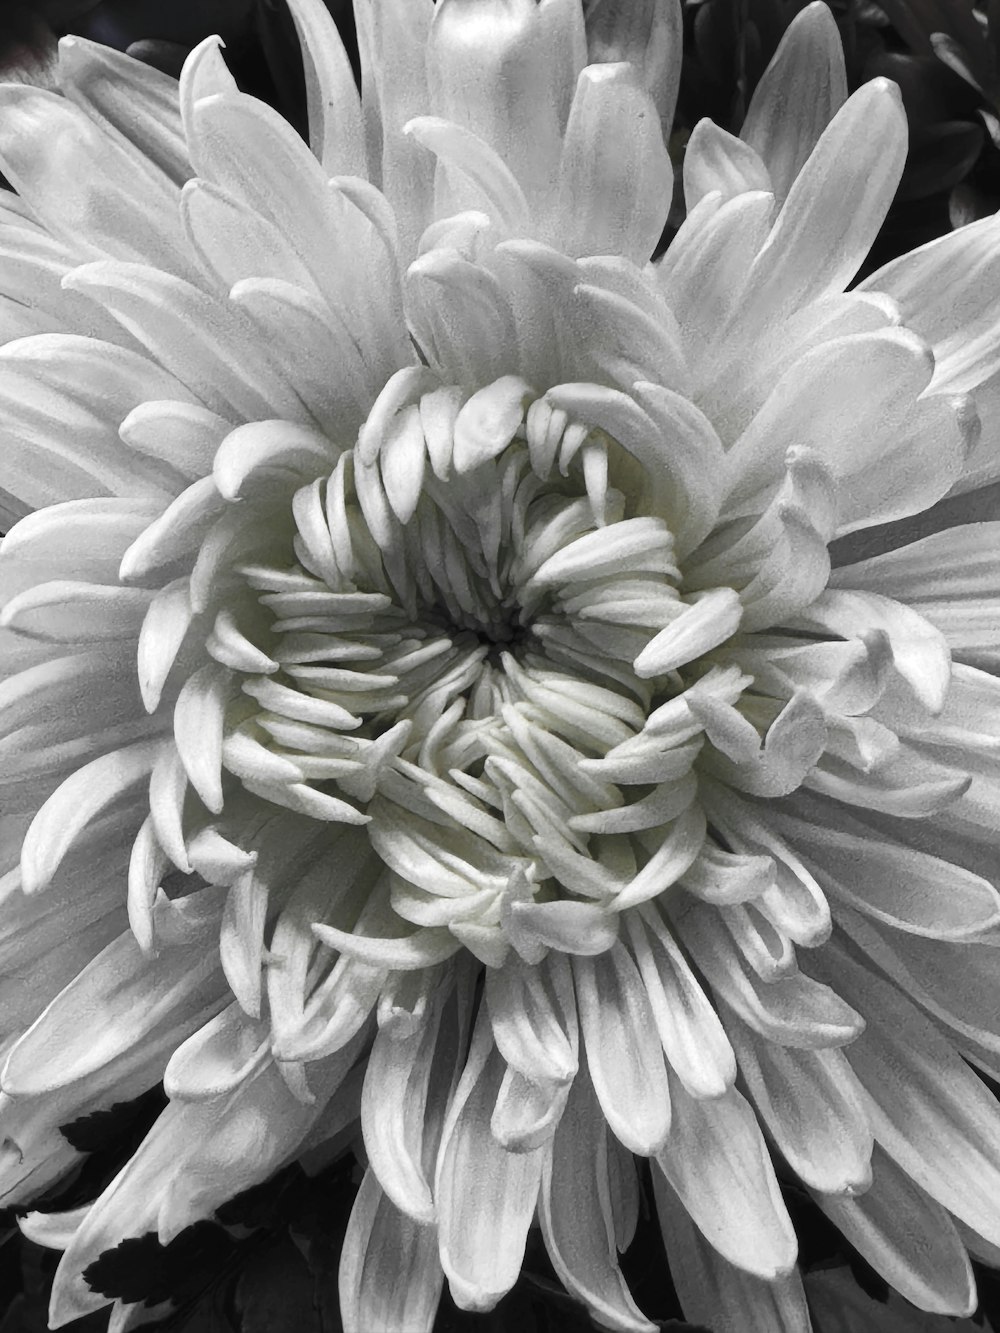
x=95, y=191
x=919, y=651
x=798, y=95
x=834, y=208
x=929, y=1111
x=702, y=625
x=122, y=1004
x=199, y=716
x=72, y=806
x=907, y=1238
x=136, y=101
x=793, y=1010
x=905, y=888
x=575, y=1211
x=336, y=134
x=813, y=1107
x=715, y=160
x=486, y=422
x=623, y=1049
x=201, y=340
x=487, y=179
x=217, y=1057
x=648, y=35
x=390, y=1275
x=725, y=1298
x=716, y=1159
x=485, y=1195
x=693, y=1039
x=163, y=630
x=393, y=1108
x=183, y=434
x=960, y=327
x=533, y=1013
x=505, y=69
x=893, y=455
x=615, y=177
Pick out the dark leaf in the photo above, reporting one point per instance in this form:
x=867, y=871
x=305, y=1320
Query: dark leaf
x=144, y=1270
x=112, y=1128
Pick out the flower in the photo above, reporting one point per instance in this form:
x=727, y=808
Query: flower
x=540, y=702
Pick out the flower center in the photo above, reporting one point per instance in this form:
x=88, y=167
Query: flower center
x=449, y=652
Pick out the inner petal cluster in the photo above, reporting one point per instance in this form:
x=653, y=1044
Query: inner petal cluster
x=442, y=644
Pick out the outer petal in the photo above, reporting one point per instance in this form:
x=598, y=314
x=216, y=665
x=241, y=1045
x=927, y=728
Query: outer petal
x=833, y=210
x=106, y=200
x=717, y=1161
x=929, y=1111
x=576, y=1214
x=907, y=1238
x=485, y=1195
x=506, y=70
x=623, y=1048
x=944, y=291
x=648, y=35
x=615, y=178
x=336, y=133
x=390, y=1275
x=712, y=1291
x=801, y=91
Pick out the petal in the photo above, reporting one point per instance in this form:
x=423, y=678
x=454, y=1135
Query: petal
x=135, y=100
x=714, y=1292
x=792, y=1010
x=576, y=1215
x=392, y=38
x=217, y=1058
x=485, y=1195
x=647, y=34
x=919, y=651
x=123, y=1003
x=929, y=1111
x=715, y=160
x=895, y=454
x=94, y=191
x=393, y=1108
x=183, y=434
x=336, y=133
x=623, y=1049
x=75, y=803
x=693, y=1039
x=951, y=578
x=943, y=291
x=834, y=208
x=813, y=1107
x=66, y=397
x=203, y=342
x=505, y=69
x=533, y=1013
x=704, y=624
x=716, y=1160
x=905, y=888
x=615, y=178
x=908, y=1239
x=199, y=717
x=390, y=1274
x=798, y=95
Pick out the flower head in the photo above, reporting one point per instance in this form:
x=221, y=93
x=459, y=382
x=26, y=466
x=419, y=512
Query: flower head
x=464, y=676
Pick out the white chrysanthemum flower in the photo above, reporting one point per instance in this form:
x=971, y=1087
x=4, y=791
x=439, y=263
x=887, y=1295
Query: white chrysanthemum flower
x=540, y=702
